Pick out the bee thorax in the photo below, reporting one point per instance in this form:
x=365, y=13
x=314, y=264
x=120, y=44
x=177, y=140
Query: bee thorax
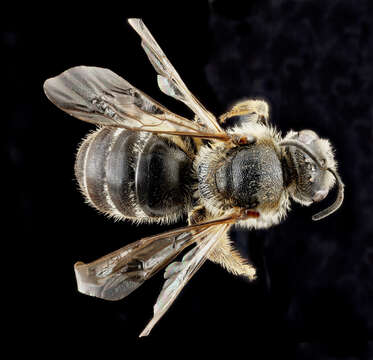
x=248, y=177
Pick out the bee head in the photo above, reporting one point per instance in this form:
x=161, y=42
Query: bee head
x=314, y=169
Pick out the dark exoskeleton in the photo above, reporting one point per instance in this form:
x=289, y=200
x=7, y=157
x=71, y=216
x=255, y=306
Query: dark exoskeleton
x=135, y=175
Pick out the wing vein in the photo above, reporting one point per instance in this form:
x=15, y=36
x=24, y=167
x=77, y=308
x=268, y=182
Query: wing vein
x=179, y=273
x=164, y=67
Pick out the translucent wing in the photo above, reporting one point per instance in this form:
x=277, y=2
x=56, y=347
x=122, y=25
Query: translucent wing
x=117, y=274
x=99, y=96
x=178, y=274
x=169, y=80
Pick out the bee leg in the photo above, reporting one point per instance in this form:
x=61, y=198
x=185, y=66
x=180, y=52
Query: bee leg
x=256, y=110
x=224, y=254
x=230, y=259
x=197, y=215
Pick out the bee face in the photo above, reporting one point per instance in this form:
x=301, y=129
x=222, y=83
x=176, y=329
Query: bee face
x=312, y=181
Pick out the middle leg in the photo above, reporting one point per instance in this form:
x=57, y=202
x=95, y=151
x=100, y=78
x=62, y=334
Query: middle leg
x=257, y=110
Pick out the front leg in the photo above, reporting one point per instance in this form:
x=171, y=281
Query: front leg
x=257, y=110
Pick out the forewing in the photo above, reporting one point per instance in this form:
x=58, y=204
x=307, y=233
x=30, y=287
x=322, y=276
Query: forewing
x=117, y=274
x=178, y=274
x=169, y=80
x=100, y=96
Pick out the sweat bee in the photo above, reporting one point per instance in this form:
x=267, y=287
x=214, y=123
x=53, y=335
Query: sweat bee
x=147, y=164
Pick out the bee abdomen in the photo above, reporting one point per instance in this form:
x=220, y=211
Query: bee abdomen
x=134, y=175
x=104, y=171
x=163, y=178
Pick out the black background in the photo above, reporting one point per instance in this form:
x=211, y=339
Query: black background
x=311, y=60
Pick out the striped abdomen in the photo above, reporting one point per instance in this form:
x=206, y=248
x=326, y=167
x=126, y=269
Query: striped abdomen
x=136, y=175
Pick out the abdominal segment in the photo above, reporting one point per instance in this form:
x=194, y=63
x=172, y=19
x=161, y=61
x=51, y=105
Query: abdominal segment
x=135, y=175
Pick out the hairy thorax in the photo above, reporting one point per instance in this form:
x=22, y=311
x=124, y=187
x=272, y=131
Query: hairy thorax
x=246, y=177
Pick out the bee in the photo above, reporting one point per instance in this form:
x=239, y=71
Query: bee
x=149, y=165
